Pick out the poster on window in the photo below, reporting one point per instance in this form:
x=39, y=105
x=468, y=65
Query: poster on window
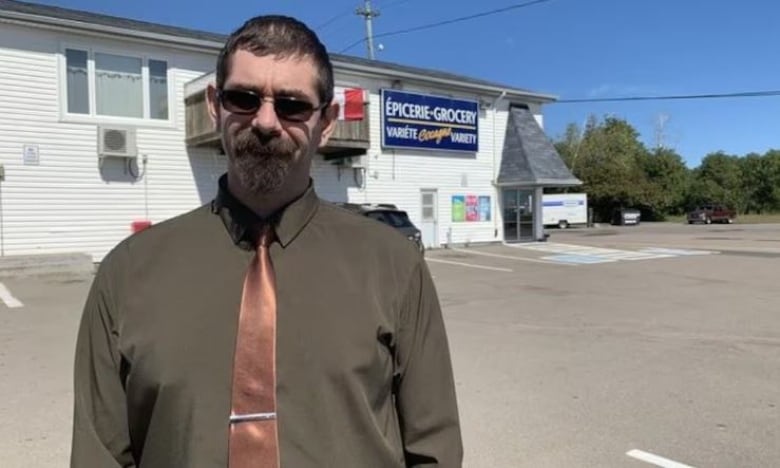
x=458, y=208
x=472, y=208
x=484, y=208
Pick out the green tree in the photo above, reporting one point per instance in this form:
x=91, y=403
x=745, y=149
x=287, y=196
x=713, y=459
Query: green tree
x=773, y=168
x=702, y=191
x=761, y=182
x=609, y=162
x=568, y=144
x=618, y=171
x=719, y=179
x=669, y=180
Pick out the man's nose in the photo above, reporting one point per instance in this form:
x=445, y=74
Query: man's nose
x=265, y=118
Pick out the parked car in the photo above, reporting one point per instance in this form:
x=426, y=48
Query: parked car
x=390, y=215
x=711, y=213
x=626, y=217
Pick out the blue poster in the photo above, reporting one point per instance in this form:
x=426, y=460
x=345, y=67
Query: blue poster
x=421, y=121
x=484, y=208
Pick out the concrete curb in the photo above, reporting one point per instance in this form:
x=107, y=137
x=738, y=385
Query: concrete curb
x=69, y=264
x=465, y=245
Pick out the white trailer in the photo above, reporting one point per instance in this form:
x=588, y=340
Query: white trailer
x=565, y=209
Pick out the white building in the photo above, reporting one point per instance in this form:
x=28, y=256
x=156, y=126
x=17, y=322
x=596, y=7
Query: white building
x=103, y=125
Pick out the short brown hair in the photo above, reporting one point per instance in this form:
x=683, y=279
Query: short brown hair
x=282, y=36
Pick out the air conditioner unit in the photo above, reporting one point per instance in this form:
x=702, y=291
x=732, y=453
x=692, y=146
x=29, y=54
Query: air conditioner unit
x=116, y=142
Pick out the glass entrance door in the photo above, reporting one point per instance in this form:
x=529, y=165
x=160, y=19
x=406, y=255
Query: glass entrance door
x=511, y=220
x=518, y=215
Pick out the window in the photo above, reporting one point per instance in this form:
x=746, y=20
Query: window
x=158, y=89
x=113, y=85
x=78, y=82
x=119, y=87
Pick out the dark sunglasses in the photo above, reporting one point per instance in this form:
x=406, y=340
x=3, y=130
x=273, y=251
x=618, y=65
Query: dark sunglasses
x=239, y=101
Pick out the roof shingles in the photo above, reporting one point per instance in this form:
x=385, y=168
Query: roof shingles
x=529, y=157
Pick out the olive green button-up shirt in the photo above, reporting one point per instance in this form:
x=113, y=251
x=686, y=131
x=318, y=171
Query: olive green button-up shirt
x=363, y=368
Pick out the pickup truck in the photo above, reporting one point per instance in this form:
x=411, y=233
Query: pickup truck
x=709, y=214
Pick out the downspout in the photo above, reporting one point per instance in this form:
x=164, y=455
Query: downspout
x=497, y=204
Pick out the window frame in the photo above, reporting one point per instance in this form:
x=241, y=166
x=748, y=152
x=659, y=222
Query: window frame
x=93, y=116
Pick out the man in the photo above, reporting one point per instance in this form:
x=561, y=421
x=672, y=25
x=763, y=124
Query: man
x=267, y=328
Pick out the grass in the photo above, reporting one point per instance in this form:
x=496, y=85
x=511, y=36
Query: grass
x=764, y=218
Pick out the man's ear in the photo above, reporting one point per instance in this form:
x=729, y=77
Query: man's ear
x=328, y=120
x=212, y=103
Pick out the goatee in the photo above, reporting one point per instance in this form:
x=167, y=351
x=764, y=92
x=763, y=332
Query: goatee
x=262, y=162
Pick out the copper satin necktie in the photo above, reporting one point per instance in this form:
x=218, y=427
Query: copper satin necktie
x=254, y=439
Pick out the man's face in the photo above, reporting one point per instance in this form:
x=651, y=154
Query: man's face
x=273, y=144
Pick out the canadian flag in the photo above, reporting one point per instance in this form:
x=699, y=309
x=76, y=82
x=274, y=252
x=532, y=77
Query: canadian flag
x=350, y=103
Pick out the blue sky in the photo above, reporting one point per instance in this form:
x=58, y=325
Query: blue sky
x=568, y=48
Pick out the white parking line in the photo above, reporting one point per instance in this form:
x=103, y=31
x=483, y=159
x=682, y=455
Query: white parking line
x=8, y=298
x=585, y=254
x=511, y=257
x=656, y=460
x=469, y=265
x=680, y=252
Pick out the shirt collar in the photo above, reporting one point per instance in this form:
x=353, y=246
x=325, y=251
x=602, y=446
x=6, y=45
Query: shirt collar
x=241, y=222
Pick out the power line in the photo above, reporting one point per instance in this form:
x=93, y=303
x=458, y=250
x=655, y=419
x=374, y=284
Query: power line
x=448, y=22
x=672, y=97
x=351, y=12
x=399, y=2
x=334, y=19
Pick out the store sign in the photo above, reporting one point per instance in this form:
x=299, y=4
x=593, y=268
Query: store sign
x=420, y=121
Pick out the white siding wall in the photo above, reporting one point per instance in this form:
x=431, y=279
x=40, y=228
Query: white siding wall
x=66, y=203
x=397, y=176
x=337, y=185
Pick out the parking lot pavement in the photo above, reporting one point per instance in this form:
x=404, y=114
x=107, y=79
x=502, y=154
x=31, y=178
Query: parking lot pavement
x=550, y=253
x=37, y=338
x=621, y=363
x=738, y=238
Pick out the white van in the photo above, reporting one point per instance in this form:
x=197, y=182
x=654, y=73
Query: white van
x=565, y=209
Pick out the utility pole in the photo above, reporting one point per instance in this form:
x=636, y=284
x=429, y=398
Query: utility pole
x=368, y=13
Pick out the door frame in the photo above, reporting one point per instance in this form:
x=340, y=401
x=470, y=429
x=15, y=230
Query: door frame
x=435, y=241
x=521, y=226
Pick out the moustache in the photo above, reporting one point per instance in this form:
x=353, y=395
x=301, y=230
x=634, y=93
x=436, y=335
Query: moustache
x=252, y=144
